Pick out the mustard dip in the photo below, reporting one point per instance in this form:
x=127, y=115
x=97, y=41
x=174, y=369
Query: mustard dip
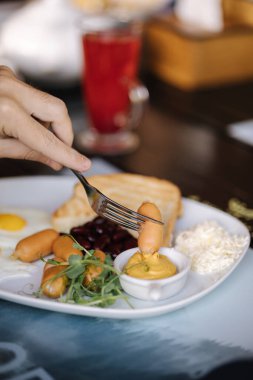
x=149, y=266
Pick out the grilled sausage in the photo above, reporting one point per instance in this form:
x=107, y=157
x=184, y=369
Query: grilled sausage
x=53, y=286
x=94, y=270
x=151, y=234
x=49, y=265
x=63, y=248
x=35, y=246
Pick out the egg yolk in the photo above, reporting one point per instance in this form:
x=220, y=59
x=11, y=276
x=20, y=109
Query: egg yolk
x=11, y=222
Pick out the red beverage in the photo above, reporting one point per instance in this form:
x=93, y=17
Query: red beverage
x=111, y=66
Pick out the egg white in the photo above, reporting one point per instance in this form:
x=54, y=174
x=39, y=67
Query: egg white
x=36, y=220
x=10, y=267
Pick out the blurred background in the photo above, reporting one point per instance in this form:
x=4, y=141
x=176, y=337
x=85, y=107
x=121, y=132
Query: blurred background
x=194, y=53
x=190, y=44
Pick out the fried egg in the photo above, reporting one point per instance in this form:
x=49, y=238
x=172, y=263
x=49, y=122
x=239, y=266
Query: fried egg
x=17, y=223
x=10, y=267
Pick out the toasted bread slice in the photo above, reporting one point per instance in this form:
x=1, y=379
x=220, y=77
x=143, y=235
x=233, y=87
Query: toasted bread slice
x=129, y=190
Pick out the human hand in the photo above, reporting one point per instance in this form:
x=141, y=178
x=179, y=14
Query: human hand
x=26, y=114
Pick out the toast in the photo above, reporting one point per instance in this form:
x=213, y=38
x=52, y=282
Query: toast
x=129, y=190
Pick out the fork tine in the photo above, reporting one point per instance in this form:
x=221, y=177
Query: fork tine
x=122, y=217
x=121, y=221
x=130, y=214
x=119, y=211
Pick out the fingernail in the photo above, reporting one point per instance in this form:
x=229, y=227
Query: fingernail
x=85, y=163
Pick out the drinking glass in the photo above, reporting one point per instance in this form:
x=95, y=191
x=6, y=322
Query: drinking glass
x=114, y=97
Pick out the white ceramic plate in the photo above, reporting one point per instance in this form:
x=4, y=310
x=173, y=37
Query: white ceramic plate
x=48, y=193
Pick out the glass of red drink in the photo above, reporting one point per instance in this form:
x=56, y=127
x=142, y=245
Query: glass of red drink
x=114, y=97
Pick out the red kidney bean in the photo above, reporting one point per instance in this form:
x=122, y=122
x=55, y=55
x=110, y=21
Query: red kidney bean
x=99, y=220
x=120, y=235
x=102, y=242
x=105, y=235
x=85, y=243
x=115, y=248
x=128, y=244
x=99, y=229
x=92, y=237
x=77, y=230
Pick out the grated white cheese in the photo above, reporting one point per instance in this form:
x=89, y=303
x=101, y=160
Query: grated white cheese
x=210, y=247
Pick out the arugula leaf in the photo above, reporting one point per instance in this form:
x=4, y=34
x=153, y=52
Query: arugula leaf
x=76, y=267
x=54, y=262
x=74, y=260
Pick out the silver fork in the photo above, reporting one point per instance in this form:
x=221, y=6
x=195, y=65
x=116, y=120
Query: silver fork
x=109, y=209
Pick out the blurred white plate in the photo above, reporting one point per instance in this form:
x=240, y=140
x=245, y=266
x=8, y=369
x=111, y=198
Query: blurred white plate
x=49, y=192
x=123, y=10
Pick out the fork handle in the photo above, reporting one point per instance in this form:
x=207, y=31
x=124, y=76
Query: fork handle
x=79, y=175
x=84, y=182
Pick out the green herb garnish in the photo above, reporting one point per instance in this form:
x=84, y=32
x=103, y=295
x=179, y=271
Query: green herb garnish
x=103, y=290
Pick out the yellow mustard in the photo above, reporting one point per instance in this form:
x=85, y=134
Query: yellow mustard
x=149, y=266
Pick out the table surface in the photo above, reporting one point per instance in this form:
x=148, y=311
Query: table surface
x=184, y=138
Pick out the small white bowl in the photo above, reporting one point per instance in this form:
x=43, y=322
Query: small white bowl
x=154, y=290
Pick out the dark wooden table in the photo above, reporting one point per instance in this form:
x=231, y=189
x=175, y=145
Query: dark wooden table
x=184, y=139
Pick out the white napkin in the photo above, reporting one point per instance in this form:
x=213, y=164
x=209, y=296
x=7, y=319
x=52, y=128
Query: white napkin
x=204, y=14
x=242, y=131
